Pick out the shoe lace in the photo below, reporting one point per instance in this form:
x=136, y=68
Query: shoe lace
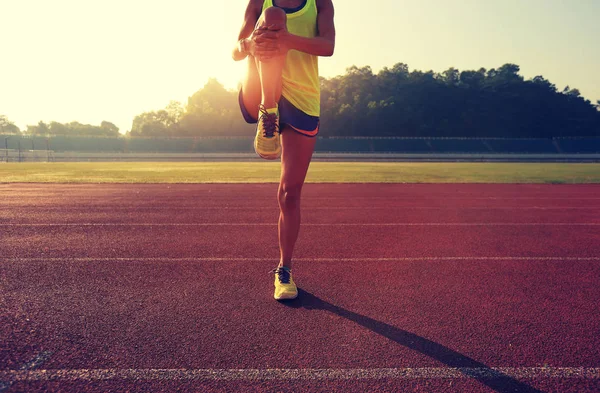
x=269, y=122
x=282, y=274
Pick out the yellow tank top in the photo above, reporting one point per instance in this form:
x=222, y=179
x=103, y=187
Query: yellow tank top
x=301, y=72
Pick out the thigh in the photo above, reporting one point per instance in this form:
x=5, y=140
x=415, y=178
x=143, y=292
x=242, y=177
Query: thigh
x=251, y=84
x=296, y=153
x=251, y=88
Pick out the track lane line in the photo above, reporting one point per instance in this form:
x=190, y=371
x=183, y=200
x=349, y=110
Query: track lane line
x=260, y=259
x=388, y=207
x=369, y=224
x=300, y=374
x=342, y=197
x=6, y=381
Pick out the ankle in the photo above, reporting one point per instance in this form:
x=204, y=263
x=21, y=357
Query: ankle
x=287, y=265
x=270, y=106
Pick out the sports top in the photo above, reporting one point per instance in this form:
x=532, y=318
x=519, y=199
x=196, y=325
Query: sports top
x=300, y=79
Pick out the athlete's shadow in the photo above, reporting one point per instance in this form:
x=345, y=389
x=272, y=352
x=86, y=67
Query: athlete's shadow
x=471, y=368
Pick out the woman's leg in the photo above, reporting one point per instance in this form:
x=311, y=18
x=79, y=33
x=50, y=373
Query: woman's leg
x=262, y=84
x=297, y=150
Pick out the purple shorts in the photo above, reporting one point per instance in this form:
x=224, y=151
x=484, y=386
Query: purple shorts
x=288, y=115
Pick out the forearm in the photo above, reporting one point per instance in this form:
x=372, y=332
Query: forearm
x=317, y=46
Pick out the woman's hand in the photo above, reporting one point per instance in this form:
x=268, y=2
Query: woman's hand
x=267, y=42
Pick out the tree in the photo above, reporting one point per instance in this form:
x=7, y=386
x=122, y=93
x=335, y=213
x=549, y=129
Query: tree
x=40, y=129
x=212, y=110
x=175, y=111
x=472, y=79
x=109, y=128
x=451, y=76
x=8, y=127
x=4, y=123
x=510, y=73
x=542, y=82
x=571, y=92
x=149, y=124
x=397, y=102
x=506, y=76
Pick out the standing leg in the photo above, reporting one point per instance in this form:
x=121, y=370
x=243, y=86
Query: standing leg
x=296, y=154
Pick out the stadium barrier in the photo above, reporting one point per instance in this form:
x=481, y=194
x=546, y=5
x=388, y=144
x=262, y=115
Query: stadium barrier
x=30, y=146
x=320, y=156
x=16, y=155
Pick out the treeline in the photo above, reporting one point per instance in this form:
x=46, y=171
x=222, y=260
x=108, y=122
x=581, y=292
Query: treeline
x=394, y=102
x=74, y=128
x=211, y=111
x=482, y=103
x=398, y=102
x=7, y=126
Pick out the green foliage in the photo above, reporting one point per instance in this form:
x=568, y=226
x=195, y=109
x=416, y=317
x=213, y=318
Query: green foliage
x=483, y=103
x=497, y=102
x=158, y=123
x=73, y=128
x=110, y=128
x=8, y=127
x=211, y=111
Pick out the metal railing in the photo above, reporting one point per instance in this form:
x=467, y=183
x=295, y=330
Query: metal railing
x=18, y=155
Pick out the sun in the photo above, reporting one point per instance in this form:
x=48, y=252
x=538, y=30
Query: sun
x=90, y=63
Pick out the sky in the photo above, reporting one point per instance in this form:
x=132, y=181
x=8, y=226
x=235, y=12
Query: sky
x=90, y=60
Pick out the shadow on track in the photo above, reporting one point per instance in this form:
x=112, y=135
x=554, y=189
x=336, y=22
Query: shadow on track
x=494, y=379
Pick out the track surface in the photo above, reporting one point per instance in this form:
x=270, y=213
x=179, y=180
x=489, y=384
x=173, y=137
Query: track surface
x=428, y=288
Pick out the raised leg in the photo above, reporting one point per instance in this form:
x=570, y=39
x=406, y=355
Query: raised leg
x=262, y=84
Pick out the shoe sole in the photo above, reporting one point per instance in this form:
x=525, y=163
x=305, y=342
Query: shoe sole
x=266, y=157
x=286, y=297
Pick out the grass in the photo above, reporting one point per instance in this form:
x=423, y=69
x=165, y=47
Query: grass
x=320, y=172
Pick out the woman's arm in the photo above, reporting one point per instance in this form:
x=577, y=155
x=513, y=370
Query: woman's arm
x=253, y=11
x=324, y=43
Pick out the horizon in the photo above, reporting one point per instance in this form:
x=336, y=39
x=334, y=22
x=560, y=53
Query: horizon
x=103, y=62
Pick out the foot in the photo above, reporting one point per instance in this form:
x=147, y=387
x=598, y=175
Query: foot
x=267, y=142
x=285, y=288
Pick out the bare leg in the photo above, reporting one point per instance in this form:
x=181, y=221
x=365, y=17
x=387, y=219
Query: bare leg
x=270, y=71
x=262, y=84
x=296, y=154
x=251, y=90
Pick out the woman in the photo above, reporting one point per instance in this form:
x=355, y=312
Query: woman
x=282, y=40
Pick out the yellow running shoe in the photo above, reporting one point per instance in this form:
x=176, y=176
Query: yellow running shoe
x=285, y=288
x=267, y=142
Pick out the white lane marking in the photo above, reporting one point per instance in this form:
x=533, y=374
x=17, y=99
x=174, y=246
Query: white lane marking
x=301, y=374
x=36, y=362
x=445, y=197
x=461, y=196
x=355, y=224
x=259, y=259
x=275, y=208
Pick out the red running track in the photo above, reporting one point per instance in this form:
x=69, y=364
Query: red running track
x=432, y=288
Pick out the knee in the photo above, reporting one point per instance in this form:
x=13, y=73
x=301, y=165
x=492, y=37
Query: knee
x=289, y=196
x=274, y=16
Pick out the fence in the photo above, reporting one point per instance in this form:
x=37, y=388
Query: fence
x=16, y=155
x=30, y=148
